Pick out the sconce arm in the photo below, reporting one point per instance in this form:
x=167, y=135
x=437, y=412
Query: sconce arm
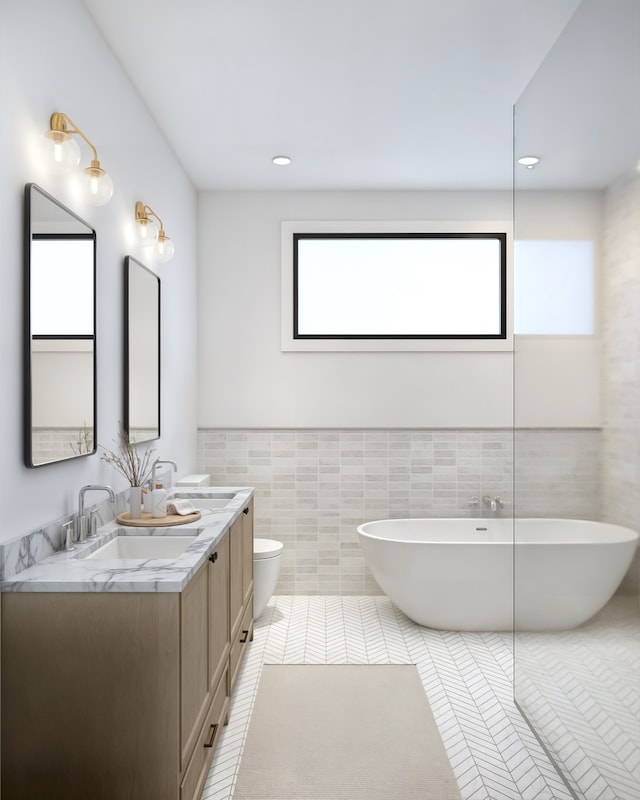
x=144, y=212
x=59, y=122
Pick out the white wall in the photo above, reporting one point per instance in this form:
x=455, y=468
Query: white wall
x=246, y=381
x=52, y=58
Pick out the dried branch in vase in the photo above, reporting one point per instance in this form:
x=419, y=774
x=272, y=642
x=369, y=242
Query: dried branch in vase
x=136, y=468
x=84, y=441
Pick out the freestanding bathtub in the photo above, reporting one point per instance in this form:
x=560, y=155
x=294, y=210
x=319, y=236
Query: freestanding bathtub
x=458, y=574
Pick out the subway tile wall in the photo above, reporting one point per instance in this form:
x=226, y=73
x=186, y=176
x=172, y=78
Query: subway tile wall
x=314, y=487
x=557, y=473
x=53, y=444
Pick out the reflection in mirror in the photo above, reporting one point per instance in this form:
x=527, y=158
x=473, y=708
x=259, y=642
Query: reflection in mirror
x=142, y=352
x=60, y=332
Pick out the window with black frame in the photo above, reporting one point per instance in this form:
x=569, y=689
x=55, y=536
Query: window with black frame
x=399, y=285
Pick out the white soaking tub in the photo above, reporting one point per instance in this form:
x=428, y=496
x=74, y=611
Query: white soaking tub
x=457, y=574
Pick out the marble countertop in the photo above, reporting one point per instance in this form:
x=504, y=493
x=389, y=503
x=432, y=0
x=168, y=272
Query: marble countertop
x=71, y=571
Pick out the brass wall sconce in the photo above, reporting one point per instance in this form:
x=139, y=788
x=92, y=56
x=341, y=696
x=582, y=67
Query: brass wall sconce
x=63, y=156
x=149, y=234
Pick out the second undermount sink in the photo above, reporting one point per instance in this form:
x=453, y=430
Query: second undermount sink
x=127, y=548
x=207, y=501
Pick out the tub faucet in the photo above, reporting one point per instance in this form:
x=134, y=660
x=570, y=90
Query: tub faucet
x=155, y=465
x=83, y=519
x=494, y=503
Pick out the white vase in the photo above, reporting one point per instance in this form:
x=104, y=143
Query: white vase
x=135, y=502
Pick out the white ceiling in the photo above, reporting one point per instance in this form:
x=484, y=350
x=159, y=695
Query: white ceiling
x=361, y=94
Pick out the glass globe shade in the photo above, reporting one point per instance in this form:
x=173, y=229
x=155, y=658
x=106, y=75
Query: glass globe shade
x=146, y=232
x=61, y=152
x=164, y=248
x=97, y=186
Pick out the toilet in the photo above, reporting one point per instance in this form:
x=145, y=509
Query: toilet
x=267, y=554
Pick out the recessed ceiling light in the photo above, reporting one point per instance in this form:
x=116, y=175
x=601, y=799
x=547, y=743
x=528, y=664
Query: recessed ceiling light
x=281, y=161
x=529, y=161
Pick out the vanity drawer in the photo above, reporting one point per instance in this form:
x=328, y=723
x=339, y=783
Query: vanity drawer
x=196, y=773
x=238, y=647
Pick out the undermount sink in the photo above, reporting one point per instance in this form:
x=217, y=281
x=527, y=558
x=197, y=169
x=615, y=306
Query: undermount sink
x=126, y=548
x=206, y=502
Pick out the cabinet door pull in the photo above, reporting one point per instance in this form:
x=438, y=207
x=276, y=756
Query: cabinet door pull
x=244, y=637
x=245, y=510
x=213, y=557
x=212, y=736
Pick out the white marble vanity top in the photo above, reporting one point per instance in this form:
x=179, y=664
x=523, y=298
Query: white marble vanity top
x=71, y=571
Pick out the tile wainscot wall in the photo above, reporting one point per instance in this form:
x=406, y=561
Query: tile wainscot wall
x=314, y=487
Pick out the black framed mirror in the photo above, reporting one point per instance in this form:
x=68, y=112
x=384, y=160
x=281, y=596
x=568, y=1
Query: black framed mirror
x=60, y=401
x=141, y=352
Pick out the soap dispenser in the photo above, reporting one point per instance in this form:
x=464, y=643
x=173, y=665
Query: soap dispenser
x=159, y=501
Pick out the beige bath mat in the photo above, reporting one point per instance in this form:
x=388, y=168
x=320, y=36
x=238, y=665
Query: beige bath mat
x=343, y=732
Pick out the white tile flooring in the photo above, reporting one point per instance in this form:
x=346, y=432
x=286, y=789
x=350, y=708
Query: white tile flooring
x=581, y=690
x=467, y=678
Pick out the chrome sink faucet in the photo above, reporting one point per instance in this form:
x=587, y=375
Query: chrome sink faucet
x=494, y=503
x=155, y=466
x=83, y=519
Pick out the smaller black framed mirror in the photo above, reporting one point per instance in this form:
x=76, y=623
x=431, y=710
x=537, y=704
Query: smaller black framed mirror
x=141, y=352
x=60, y=397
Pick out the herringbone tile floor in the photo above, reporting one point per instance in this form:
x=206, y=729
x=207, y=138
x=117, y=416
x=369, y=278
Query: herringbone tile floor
x=581, y=690
x=467, y=678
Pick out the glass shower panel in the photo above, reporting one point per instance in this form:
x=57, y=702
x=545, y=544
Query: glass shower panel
x=577, y=403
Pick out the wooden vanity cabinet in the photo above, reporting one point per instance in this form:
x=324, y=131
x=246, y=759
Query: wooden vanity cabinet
x=241, y=591
x=194, y=674
x=219, y=630
x=247, y=555
x=205, y=682
x=204, y=639
x=236, y=591
x=117, y=695
x=91, y=695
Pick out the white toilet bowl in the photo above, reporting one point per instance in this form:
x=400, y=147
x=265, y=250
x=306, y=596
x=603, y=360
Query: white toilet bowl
x=267, y=554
